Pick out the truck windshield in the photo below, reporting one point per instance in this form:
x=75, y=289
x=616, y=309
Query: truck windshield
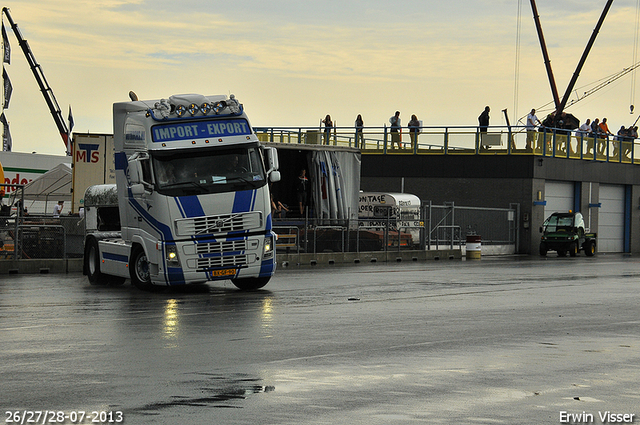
x=558, y=223
x=198, y=171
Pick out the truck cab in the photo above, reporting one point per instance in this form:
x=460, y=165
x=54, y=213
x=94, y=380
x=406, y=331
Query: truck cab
x=565, y=233
x=192, y=190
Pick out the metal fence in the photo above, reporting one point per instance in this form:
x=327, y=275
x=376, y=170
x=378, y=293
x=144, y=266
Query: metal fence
x=25, y=236
x=463, y=140
x=28, y=237
x=449, y=225
x=442, y=227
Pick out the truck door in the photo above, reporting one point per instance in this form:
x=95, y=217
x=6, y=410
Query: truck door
x=140, y=182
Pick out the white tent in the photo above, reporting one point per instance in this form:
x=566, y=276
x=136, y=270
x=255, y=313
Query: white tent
x=54, y=185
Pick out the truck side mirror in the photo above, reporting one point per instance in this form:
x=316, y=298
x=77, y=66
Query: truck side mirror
x=540, y=229
x=134, y=172
x=271, y=155
x=137, y=189
x=274, y=176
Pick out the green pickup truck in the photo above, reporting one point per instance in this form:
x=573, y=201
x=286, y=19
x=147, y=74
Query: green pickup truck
x=565, y=233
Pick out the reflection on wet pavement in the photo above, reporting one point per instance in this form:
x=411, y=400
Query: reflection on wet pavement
x=213, y=391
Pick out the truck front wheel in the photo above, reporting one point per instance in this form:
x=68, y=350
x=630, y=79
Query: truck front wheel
x=250, y=283
x=139, y=269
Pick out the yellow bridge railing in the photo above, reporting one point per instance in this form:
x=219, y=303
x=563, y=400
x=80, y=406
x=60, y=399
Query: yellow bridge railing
x=461, y=141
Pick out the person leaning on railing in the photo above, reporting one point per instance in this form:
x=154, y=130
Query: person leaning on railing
x=593, y=135
x=604, y=131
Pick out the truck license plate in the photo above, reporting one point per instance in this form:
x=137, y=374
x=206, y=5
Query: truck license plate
x=226, y=272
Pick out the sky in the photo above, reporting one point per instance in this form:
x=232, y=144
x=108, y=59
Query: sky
x=292, y=62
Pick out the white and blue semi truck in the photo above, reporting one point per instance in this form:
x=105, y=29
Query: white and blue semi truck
x=191, y=202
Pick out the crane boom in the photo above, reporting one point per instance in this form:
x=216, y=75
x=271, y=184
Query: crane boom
x=560, y=104
x=46, y=90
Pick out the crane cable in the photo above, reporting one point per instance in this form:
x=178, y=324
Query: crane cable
x=517, y=64
x=600, y=84
x=635, y=58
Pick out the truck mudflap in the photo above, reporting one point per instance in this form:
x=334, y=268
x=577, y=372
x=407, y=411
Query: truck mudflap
x=175, y=276
x=268, y=268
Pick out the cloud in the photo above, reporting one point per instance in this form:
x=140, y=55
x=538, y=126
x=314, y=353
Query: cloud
x=441, y=60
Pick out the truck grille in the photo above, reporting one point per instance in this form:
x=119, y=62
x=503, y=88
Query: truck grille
x=226, y=246
x=219, y=224
x=228, y=261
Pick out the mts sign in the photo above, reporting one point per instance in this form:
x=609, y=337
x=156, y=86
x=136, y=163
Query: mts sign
x=87, y=152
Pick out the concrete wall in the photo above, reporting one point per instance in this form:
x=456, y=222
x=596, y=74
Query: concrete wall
x=74, y=265
x=499, y=180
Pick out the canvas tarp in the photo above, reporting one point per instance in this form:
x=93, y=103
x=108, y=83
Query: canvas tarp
x=54, y=185
x=336, y=180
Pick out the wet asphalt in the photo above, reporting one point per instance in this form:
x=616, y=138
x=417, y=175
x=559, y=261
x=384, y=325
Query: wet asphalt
x=492, y=341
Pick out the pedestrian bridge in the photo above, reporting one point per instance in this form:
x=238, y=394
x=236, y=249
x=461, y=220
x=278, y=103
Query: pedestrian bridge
x=461, y=141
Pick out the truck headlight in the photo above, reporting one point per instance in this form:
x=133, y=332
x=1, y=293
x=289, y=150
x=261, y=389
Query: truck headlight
x=269, y=247
x=171, y=255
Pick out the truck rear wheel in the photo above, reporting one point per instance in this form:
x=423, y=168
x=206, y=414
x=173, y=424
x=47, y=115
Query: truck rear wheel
x=139, y=270
x=92, y=266
x=590, y=248
x=92, y=262
x=250, y=283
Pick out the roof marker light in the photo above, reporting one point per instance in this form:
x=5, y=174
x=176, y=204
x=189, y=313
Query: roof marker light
x=218, y=107
x=180, y=110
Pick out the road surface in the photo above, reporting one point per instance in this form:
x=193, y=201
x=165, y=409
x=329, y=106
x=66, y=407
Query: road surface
x=514, y=340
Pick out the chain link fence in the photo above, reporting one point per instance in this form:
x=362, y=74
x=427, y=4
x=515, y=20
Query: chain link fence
x=441, y=227
x=449, y=225
x=25, y=236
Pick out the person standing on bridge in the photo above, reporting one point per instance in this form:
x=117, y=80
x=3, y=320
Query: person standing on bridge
x=604, y=130
x=414, y=129
x=395, y=129
x=328, y=125
x=359, y=124
x=483, y=123
x=595, y=133
x=532, y=121
x=483, y=120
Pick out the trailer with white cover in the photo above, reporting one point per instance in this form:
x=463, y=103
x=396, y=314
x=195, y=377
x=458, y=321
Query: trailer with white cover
x=394, y=211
